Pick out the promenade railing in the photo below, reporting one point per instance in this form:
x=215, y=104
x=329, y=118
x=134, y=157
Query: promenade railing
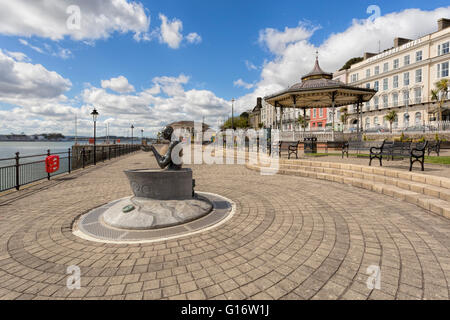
x=19, y=170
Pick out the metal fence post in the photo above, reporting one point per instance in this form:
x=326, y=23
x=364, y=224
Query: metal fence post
x=17, y=171
x=48, y=154
x=69, y=159
x=83, y=155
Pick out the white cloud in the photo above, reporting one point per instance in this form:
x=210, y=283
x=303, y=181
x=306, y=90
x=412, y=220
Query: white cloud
x=242, y=83
x=119, y=84
x=250, y=66
x=24, y=83
x=18, y=56
x=48, y=19
x=26, y=43
x=194, y=38
x=166, y=101
x=294, y=53
x=171, y=32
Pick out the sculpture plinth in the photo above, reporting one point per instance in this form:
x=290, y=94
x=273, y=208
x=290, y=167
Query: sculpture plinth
x=162, y=184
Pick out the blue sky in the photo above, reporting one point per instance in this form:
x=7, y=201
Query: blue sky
x=231, y=41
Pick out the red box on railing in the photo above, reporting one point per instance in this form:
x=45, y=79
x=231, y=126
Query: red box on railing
x=52, y=164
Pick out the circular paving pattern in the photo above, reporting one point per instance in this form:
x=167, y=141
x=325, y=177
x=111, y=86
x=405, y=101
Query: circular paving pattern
x=290, y=238
x=92, y=227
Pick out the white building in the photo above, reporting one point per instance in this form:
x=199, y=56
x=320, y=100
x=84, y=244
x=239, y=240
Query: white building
x=404, y=77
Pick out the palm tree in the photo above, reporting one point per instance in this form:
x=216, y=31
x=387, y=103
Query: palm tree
x=303, y=122
x=440, y=94
x=344, y=115
x=391, y=117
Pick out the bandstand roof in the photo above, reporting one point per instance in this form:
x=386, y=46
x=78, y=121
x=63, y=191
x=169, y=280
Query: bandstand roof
x=317, y=90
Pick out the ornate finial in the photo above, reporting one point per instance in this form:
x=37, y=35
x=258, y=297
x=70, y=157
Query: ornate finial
x=317, y=55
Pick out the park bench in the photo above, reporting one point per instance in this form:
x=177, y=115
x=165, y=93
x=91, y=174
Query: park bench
x=434, y=146
x=357, y=146
x=291, y=147
x=415, y=152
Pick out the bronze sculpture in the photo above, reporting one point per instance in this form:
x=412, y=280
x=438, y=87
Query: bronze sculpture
x=166, y=160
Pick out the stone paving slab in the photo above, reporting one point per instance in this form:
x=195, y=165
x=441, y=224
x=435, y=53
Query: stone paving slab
x=290, y=238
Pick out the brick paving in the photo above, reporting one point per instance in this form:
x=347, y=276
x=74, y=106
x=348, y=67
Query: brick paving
x=291, y=238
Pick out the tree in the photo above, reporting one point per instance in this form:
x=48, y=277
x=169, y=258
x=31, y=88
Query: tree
x=391, y=117
x=439, y=94
x=344, y=115
x=303, y=122
x=351, y=62
x=239, y=122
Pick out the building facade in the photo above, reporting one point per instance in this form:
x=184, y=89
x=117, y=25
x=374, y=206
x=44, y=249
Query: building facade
x=404, y=77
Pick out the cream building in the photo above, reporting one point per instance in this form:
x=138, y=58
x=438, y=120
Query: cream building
x=404, y=77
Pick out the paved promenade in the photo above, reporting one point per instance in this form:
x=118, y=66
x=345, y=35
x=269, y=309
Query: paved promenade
x=291, y=238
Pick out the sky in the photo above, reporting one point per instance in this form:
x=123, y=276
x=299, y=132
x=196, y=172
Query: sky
x=149, y=63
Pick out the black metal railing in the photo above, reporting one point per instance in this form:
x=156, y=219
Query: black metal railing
x=21, y=170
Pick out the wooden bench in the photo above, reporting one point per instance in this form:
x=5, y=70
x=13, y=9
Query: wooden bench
x=415, y=153
x=291, y=147
x=357, y=146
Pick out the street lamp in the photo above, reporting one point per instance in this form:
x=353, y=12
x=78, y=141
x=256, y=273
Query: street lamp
x=142, y=136
x=132, y=127
x=232, y=113
x=94, y=115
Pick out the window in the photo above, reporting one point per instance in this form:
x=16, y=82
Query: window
x=406, y=79
x=406, y=98
x=418, y=56
x=386, y=67
x=354, y=77
x=442, y=69
x=418, y=75
x=385, y=101
x=395, y=99
x=367, y=123
x=368, y=73
x=418, y=119
x=376, y=85
x=443, y=48
x=314, y=113
x=321, y=112
x=377, y=70
x=395, y=82
x=418, y=95
x=376, y=102
x=396, y=64
x=407, y=60
x=376, y=122
x=368, y=85
x=385, y=84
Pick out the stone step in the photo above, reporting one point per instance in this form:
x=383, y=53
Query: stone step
x=424, y=188
x=427, y=202
x=392, y=173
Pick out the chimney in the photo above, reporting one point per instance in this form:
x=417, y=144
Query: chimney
x=400, y=41
x=368, y=55
x=259, y=102
x=443, y=24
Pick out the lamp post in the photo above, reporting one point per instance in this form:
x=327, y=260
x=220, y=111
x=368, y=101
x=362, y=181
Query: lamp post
x=142, y=136
x=232, y=113
x=94, y=115
x=132, y=127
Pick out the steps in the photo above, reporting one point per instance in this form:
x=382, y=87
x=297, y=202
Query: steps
x=431, y=193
